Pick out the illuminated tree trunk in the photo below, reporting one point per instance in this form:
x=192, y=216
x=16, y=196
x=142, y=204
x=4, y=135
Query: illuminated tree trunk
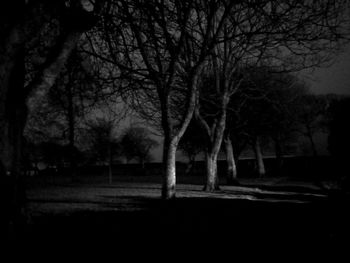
x=169, y=173
x=172, y=138
x=212, y=181
x=259, y=158
x=215, y=134
x=231, y=172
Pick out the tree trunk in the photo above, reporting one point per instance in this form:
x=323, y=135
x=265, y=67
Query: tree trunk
x=13, y=115
x=313, y=146
x=231, y=172
x=279, y=156
x=215, y=136
x=190, y=165
x=71, y=127
x=169, y=172
x=259, y=158
x=142, y=163
x=110, y=163
x=212, y=182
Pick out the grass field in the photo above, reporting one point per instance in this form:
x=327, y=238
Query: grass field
x=259, y=213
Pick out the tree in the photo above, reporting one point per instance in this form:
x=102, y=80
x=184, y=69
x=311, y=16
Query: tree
x=74, y=95
x=136, y=143
x=211, y=112
x=103, y=142
x=160, y=49
x=235, y=138
x=310, y=114
x=338, y=139
x=287, y=35
x=269, y=111
x=22, y=25
x=191, y=144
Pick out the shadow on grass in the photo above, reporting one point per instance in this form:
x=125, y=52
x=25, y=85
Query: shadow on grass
x=196, y=221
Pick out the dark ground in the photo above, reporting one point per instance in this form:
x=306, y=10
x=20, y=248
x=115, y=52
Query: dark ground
x=261, y=216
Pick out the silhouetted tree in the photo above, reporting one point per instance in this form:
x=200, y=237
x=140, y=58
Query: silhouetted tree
x=235, y=138
x=137, y=144
x=192, y=144
x=339, y=140
x=160, y=49
x=271, y=98
x=310, y=114
x=74, y=95
x=267, y=32
x=22, y=24
x=103, y=142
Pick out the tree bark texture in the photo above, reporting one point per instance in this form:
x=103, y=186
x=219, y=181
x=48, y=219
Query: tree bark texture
x=169, y=178
x=212, y=181
x=231, y=172
x=259, y=158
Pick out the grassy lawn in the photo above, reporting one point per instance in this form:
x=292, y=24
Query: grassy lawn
x=267, y=212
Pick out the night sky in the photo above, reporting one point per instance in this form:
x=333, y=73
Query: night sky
x=333, y=79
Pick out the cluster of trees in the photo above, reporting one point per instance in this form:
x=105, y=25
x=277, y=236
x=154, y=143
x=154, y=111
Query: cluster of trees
x=97, y=142
x=271, y=110
x=172, y=61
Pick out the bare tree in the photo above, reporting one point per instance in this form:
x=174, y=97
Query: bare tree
x=289, y=35
x=74, y=95
x=235, y=138
x=136, y=143
x=159, y=49
x=310, y=115
x=211, y=113
x=21, y=25
x=103, y=142
x=192, y=144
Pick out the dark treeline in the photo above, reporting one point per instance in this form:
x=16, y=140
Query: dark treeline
x=70, y=71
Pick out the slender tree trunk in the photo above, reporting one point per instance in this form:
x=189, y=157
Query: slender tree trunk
x=190, y=165
x=171, y=141
x=313, y=146
x=142, y=163
x=71, y=126
x=259, y=158
x=279, y=156
x=110, y=163
x=231, y=173
x=169, y=173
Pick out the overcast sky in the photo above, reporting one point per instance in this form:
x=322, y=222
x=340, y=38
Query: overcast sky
x=334, y=79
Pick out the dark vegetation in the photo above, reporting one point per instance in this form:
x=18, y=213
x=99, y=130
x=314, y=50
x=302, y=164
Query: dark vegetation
x=87, y=88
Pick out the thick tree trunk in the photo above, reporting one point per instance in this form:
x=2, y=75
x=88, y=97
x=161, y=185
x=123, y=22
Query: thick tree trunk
x=215, y=136
x=9, y=59
x=212, y=182
x=259, y=158
x=169, y=173
x=13, y=114
x=231, y=172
